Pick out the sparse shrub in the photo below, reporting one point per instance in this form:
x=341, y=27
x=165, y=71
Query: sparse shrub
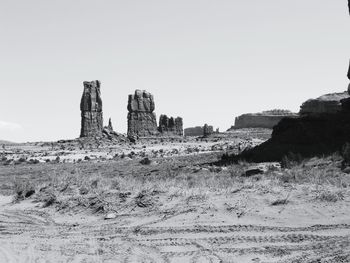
x=145, y=161
x=144, y=199
x=328, y=196
x=291, y=159
x=21, y=160
x=33, y=161
x=49, y=199
x=8, y=161
x=23, y=189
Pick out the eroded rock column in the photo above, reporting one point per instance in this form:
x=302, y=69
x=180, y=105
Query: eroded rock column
x=170, y=126
x=141, y=118
x=91, y=110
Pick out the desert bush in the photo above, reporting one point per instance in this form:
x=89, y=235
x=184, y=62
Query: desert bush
x=291, y=159
x=330, y=196
x=22, y=189
x=145, y=161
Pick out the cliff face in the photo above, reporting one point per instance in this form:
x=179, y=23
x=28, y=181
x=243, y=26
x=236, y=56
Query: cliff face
x=307, y=136
x=265, y=119
x=194, y=131
x=205, y=130
x=257, y=121
x=329, y=103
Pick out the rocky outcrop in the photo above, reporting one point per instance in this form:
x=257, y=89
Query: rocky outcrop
x=306, y=136
x=91, y=110
x=141, y=118
x=311, y=134
x=329, y=103
x=170, y=126
x=265, y=119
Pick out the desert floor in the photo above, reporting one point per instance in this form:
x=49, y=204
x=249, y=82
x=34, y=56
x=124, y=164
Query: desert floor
x=176, y=207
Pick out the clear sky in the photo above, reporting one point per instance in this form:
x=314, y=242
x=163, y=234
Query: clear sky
x=204, y=60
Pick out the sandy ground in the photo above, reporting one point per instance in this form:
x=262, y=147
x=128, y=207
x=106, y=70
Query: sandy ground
x=231, y=227
x=233, y=224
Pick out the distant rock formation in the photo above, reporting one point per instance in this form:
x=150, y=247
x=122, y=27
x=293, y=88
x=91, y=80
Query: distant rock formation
x=91, y=110
x=199, y=130
x=207, y=130
x=329, y=103
x=265, y=119
x=141, y=118
x=194, y=131
x=170, y=126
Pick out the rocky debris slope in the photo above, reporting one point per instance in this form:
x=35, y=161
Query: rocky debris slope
x=328, y=103
x=265, y=119
x=141, y=118
x=170, y=126
x=91, y=110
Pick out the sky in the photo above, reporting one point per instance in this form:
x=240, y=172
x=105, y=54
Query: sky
x=207, y=61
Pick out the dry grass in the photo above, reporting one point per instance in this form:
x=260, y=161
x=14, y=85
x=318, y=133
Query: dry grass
x=129, y=185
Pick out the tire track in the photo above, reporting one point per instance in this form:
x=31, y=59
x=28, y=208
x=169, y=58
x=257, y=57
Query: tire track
x=106, y=240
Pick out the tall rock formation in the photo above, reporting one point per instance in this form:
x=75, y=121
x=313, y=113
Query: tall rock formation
x=170, y=126
x=141, y=118
x=179, y=126
x=91, y=110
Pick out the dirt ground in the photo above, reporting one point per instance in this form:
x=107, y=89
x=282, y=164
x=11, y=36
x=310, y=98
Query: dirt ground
x=175, y=209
